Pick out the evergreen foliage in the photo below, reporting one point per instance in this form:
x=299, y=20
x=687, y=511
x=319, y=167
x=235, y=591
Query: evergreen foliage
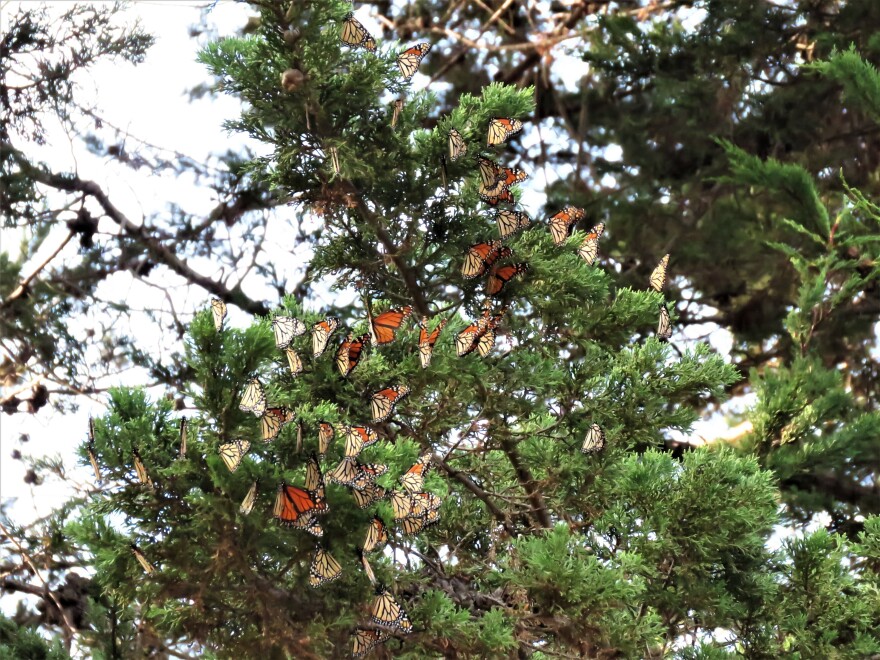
x=542, y=549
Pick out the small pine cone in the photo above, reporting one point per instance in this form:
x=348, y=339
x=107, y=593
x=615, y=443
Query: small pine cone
x=292, y=80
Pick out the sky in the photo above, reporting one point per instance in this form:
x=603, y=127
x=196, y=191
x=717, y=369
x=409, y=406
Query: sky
x=148, y=101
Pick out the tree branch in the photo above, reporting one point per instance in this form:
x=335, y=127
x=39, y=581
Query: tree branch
x=481, y=494
x=527, y=481
x=163, y=254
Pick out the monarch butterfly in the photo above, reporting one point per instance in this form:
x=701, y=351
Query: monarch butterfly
x=414, y=478
x=93, y=459
x=218, y=311
x=233, y=452
x=412, y=526
x=504, y=196
x=502, y=128
x=387, y=612
x=364, y=641
x=432, y=517
x=371, y=493
x=383, y=402
x=468, y=339
x=490, y=171
x=401, y=503
x=664, y=326
x=501, y=275
x=141, y=471
x=594, y=441
x=273, y=421
x=658, y=277
x=315, y=485
x=334, y=159
x=498, y=191
x=377, y=535
x=294, y=361
x=430, y=501
x=354, y=34
x=324, y=568
x=285, y=329
x=254, y=398
x=149, y=569
x=481, y=256
x=367, y=568
x=294, y=506
x=510, y=222
x=561, y=224
x=358, y=438
x=247, y=504
x=384, y=327
x=479, y=336
x=457, y=145
x=326, y=433
x=356, y=475
x=349, y=354
x=311, y=525
x=183, y=425
x=321, y=332
x=589, y=249
x=408, y=61
x=427, y=341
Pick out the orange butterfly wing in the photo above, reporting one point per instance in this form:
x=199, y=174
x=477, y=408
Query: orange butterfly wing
x=386, y=325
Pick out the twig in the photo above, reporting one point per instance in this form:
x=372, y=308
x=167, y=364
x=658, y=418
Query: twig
x=47, y=591
x=22, y=287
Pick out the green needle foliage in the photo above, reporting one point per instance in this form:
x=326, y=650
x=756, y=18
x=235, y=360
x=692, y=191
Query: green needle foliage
x=542, y=550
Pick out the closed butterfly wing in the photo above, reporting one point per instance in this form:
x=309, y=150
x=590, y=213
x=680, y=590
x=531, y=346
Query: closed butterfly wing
x=430, y=501
x=364, y=641
x=377, y=535
x=233, y=452
x=664, y=325
x=321, y=333
x=357, y=438
x=346, y=473
x=432, y=517
x=408, y=61
x=457, y=145
x=93, y=458
x=589, y=249
x=386, y=611
x=253, y=399
x=561, y=223
x=294, y=361
x=385, y=326
x=594, y=441
x=285, y=329
x=658, y=276
x=502, y=128
x=494, y=196
x=401, y=503
x=414, y=478
x=326, y=433
x=218, y=312
x=499, y=276
x=467, y=340
x=273, y=421
x=368, y=495
x=355, y=35
x=367, y=473
x=385, y=401
x=510, y=222
x=412, y=526
x=247, y=504
x=342, y=356
x=427, y=341
x=315, y=485
x=481, y=256
x=141, y=470
x=149, y=569
x=323, y=569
